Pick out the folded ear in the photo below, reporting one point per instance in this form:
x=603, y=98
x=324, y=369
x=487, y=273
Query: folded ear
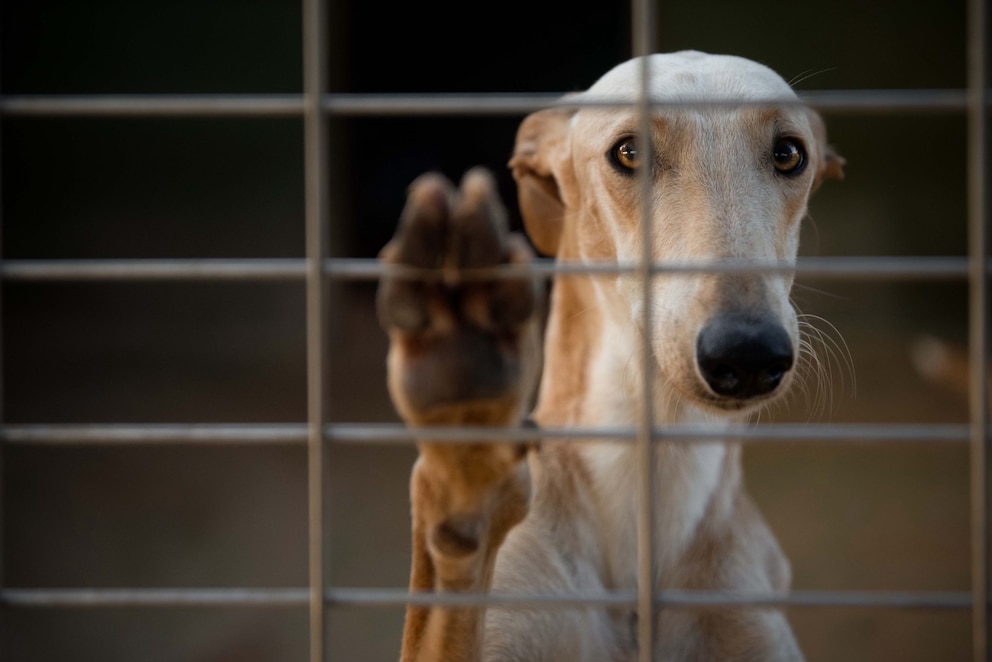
x=830, y=164
x=542, y=168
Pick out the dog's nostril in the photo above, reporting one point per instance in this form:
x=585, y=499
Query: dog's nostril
x=742, y=357
x=775, y=371
x=723, y=377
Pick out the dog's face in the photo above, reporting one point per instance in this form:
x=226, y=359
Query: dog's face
x=727, y=182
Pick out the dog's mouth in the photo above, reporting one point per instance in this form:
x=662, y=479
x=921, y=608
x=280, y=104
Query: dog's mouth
x=723, y=404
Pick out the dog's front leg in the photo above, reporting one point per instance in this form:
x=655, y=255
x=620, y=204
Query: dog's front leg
x=463, y=351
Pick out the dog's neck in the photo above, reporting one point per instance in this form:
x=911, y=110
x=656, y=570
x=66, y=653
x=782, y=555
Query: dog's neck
x=593, y=377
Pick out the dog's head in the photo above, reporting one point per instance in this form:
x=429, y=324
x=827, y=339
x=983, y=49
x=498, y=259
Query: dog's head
x=727, y=182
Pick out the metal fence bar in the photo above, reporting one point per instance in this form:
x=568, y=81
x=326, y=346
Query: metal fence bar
x=295, y=269
x=642, y=37
x=978, y=327
x=833, y=101
x=392, y=433
x=292, y=105
x=854, y=433
x=682, y=599
x=877, y=267
x=317, y=213
x=80, y=598
x=155, y=597
x=2, y=490
x=780, y=432
x=113, y=105
x=153, y=434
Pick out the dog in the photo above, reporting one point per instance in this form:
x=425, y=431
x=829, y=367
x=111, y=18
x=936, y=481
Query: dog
x=727, y=182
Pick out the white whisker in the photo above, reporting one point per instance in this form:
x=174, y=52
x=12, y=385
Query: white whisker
x=822, y=355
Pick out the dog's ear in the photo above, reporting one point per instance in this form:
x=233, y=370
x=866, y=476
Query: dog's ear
x=542, y=168
x=830, y=164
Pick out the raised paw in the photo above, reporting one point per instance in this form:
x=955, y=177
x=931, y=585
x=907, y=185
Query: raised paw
x=463, y=348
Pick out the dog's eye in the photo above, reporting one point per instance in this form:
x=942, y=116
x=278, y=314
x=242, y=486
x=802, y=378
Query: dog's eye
x=789, y=156
x=625, y=154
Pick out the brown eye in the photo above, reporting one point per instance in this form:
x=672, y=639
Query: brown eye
x=625, y=155
x=789, y=156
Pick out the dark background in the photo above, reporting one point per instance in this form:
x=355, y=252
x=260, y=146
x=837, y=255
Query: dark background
x=859, y=517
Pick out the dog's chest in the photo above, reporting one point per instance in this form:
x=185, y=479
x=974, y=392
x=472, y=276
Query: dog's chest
x=684, y=482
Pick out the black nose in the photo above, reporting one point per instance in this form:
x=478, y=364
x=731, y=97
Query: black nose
x=743, y=357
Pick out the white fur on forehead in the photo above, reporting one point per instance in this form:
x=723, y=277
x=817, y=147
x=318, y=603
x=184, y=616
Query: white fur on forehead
x=694, y=75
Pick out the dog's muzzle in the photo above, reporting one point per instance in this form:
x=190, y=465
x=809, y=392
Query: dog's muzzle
x=743, y=357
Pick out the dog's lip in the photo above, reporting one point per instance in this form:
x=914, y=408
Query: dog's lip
x=736, y=404
x=706, y=398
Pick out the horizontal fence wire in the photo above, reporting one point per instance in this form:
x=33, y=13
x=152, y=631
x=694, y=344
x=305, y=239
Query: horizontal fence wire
x=276, y=269
x=290, y=105
x=393, y=433
x=384, y=597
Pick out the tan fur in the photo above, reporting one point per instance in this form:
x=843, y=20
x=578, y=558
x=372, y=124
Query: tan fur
x=562, y=517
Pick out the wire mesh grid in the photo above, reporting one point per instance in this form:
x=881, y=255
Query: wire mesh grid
x=314, y=106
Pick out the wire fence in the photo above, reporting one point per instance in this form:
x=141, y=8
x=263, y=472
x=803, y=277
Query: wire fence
x=315, y=105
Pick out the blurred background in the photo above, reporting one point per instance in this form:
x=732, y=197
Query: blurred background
x=851, y=517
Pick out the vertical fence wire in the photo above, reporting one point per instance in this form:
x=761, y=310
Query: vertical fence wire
x=642, y=33
x=978, y=327
x=316, y=205
x=2, y=504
